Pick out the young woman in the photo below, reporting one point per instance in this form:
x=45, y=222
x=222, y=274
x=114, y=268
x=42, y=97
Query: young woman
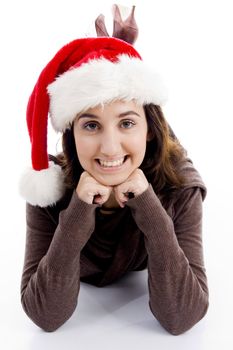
x=122, y=196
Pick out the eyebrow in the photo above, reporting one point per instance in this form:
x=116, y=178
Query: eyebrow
x=124, y=114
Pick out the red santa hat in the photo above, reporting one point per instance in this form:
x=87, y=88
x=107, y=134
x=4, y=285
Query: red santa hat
x=83, y=74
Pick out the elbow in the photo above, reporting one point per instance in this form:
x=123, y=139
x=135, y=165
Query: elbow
x=48, y=322
x=183, y=324
x=49, y=328
x=180, y=323
x=181, y=327
x=45, y=323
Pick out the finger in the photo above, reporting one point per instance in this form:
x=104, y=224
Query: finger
x=102, y=194
x=121, y=204
x=120, y=196
x=97, y=199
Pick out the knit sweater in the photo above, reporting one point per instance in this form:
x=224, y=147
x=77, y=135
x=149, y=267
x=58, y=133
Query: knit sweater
x=74, y=241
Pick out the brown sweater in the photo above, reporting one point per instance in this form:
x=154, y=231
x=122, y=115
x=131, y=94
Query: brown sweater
x=73, y=241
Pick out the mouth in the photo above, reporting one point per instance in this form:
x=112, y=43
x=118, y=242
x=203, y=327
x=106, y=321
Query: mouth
x=111, y=164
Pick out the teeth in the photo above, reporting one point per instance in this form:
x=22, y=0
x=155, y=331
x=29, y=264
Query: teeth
x=111, y=164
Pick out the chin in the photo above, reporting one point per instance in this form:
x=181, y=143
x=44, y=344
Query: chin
x=112, y=182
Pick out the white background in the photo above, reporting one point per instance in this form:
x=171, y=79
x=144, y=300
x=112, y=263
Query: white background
x=190, y=44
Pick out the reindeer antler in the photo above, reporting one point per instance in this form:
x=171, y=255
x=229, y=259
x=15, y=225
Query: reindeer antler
x=126, y=30
x=100, y=27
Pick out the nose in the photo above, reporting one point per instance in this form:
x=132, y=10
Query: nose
x=110, y=143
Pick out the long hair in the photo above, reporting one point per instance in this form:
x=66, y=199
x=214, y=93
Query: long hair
x=160, y=164
x=164, y=153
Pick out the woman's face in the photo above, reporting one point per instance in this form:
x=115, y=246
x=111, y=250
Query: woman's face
x=111, y=140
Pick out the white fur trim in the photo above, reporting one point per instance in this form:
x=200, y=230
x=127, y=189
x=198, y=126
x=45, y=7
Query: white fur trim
x=44, y=187
x=102, y=81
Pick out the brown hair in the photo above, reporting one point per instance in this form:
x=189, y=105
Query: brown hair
x=164, y=153
x=161, y=162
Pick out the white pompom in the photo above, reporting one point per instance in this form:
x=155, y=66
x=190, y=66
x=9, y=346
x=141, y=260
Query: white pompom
x=44, y=187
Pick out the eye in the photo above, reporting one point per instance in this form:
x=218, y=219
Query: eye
x=91, y=126
x=127, y=124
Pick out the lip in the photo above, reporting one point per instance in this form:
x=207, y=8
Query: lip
x=113, y=168
x=111, y=159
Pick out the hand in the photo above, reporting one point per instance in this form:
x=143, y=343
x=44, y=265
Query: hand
x=136, y=184
x=91, y=191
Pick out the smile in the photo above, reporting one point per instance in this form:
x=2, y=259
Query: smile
x=111, y=164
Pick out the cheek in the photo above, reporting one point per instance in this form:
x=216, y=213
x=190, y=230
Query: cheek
x=84, y=149
x=138, y=143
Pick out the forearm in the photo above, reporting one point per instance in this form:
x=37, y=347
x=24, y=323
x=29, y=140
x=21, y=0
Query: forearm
x=177, y=286
x=49, y=299
x=177, y=299
x=50, y=287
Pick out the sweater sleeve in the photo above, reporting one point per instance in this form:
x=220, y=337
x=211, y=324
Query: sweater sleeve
x=51, y=273
x=178, y=292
